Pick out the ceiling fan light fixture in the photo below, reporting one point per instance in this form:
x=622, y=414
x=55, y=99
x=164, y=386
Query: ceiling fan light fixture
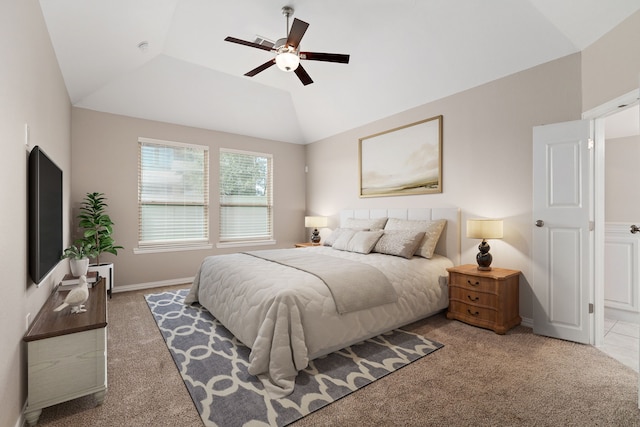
x=287, y=61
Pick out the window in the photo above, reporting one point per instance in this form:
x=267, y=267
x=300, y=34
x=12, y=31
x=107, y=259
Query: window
x=173, y=196
x=246, y=199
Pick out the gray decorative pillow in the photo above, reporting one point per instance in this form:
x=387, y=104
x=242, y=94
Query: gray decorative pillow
x=432, y=230
x=399, y=242
x=357, y=241
x=365, y=224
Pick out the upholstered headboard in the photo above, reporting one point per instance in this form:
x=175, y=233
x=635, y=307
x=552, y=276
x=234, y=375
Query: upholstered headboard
x=449, y=243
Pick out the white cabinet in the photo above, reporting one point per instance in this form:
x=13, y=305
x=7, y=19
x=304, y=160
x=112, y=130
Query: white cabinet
x=67, y=353
x=622, y=260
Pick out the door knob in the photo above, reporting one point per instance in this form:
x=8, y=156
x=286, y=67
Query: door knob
x=634, y=229
x=540, y=223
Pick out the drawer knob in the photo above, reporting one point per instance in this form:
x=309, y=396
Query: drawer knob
x=473, y=283
x=477, y=313
x=473, y=299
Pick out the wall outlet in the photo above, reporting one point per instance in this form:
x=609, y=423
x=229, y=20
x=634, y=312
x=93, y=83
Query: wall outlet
x=27, y=322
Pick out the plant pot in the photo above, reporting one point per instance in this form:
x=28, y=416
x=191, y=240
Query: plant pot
x=79, y=267
x=105, y=270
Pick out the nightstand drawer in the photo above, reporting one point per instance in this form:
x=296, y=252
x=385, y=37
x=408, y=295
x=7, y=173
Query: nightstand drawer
x=480, y=284
x=469, y=296
x=474, y=313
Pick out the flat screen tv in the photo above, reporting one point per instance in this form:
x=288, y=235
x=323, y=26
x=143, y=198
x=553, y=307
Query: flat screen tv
x=45, y=214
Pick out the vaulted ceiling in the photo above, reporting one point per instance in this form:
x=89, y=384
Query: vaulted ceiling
x=404, y=53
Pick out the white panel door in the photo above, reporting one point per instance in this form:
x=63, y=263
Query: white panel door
x=562, y=240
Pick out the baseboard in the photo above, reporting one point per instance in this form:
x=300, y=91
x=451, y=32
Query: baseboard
x=612, y=313
x=150, y=285
x=22, y=421
x=527, y=322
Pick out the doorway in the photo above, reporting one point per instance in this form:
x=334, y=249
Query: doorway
x=621, y=285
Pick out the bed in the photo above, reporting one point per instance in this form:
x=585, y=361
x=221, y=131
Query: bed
x=290, y=306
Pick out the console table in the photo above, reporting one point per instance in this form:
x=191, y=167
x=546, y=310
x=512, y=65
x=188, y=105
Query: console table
x=67, y=353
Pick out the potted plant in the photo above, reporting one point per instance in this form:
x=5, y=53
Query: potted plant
x=79, y=254
x=98, y=230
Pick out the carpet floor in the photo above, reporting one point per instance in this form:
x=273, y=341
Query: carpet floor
x=478, y=378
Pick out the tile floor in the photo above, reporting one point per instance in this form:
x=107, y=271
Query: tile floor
x=621, y=341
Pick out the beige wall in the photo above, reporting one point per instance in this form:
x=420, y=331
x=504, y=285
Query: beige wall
x=31, y=91
x=487, y=158
x=611, y=65
x=622, y=177
x=104, y=159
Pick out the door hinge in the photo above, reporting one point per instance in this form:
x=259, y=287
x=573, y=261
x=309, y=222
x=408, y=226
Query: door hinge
x=592, y=225
x=590, y=308
x=590, y=144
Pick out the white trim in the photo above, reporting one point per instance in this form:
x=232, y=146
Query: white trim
x=172, y=143
x=22, y=421
x=528, y=322
x=168, y=248
x=621, y=228
x=249, y=153
x=150, y=285
x=245, y=243
x=621, y=315
x=615, y=105
x=597, y=115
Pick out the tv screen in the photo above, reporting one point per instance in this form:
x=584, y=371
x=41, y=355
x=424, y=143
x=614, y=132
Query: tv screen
x=45, y=214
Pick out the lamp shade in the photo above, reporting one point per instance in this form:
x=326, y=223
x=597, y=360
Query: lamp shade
x=484, y=228
x=315, y=221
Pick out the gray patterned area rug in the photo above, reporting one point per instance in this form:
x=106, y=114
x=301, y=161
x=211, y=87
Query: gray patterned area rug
x=213, y=365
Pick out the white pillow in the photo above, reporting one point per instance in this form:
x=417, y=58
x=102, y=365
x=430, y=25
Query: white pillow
x=399, y=242
x=357, y=241
x=335, y=234
x=365, y=224
x=432, y=231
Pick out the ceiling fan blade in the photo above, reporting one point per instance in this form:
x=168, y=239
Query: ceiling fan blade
x=246, y=43
x=261, y=68
x=328, y=57
x=297, y=31
x=303, y=75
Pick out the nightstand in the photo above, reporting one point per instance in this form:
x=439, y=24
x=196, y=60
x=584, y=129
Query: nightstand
x=488, y=299
x=306, y=244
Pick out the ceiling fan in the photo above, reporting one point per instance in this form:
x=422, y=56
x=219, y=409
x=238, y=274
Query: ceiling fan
x=288, y=53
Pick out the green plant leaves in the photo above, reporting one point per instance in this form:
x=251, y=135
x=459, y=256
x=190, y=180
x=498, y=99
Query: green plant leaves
x=97, y=225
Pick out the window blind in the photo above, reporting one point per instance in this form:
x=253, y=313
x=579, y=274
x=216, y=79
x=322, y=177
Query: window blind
x=246, y=200
x=173, y=194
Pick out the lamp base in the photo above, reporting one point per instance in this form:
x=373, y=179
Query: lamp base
x=315, y=237
x=484, y=258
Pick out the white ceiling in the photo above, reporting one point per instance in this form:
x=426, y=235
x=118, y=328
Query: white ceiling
x=404, y=53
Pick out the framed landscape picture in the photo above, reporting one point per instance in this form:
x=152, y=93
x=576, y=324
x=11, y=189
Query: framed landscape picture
x=402, y=161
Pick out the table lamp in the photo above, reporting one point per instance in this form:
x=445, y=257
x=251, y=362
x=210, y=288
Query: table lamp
x=484, y=229
x=315, y=222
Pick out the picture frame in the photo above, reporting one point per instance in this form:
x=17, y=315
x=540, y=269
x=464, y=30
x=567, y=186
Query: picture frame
x=402, y=161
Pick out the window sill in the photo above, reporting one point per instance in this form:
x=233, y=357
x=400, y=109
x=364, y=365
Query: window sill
x=177, y=248
x=245, y=243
